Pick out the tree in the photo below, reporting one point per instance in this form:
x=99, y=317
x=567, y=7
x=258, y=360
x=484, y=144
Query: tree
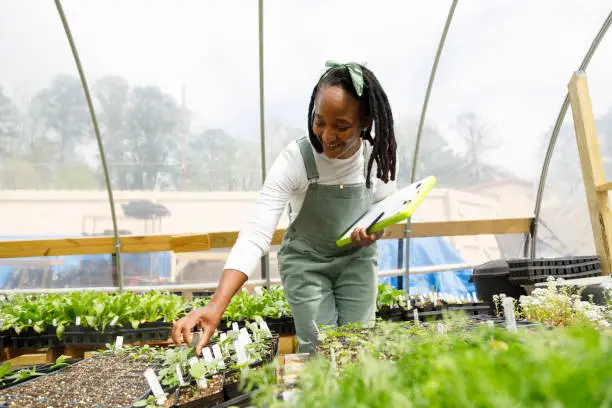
x=151, y=144
x=435, y=156
x=63, y=109
x=9, y=126
x=140, y=129
x=219, y=162
x=479, y=140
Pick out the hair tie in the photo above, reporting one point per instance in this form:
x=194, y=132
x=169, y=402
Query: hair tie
x=354, y=70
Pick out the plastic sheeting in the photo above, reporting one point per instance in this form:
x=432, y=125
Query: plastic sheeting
x=427, y=252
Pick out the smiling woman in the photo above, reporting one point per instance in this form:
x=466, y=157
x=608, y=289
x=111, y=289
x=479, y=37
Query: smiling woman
x=326, y=180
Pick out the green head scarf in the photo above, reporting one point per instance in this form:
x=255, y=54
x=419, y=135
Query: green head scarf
x=354, y=70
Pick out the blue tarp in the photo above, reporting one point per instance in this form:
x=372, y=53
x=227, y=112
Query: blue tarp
x=157, y=261
x=427, y=252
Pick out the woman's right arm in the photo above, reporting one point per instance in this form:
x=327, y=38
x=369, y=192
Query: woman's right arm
x=285, y=175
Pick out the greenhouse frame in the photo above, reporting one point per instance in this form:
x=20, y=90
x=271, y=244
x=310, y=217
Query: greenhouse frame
x=134, y=141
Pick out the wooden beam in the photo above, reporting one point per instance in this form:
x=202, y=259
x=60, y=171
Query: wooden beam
x=204, y=242
x=592, y=168
x=419, y=230
x=604, y=187
x=103, y=245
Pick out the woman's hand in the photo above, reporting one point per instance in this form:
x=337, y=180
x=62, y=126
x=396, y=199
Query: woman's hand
x=361, y=238
x=207, y=317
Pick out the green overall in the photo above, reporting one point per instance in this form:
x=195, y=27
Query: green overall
x=325, y=284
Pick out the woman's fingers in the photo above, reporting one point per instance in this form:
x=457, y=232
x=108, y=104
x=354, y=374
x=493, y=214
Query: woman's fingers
x=360, y=237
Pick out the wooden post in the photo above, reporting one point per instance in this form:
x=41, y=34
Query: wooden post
x=592, y=168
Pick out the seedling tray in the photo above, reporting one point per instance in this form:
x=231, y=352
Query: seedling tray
x=284, y=325
x=396, y=314
x=92, y=383
x=79, y=335
x=29, y=339
x=217, y=397
x=44, y=369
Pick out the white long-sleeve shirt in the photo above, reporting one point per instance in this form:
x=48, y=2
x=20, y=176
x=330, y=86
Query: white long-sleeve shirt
x=286, y=183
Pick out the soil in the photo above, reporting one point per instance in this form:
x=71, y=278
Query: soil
x=193, y=392
x=94, y=382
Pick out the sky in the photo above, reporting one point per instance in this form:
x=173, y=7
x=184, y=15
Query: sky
x=508, y=61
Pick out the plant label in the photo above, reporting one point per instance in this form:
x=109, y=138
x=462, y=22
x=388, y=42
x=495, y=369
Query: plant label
x=244, y=336
x=491, y=323
x=78, y=321
x=207, y=354
x=316, y=329
x=201, y=383
x=240, y=352
x=179, y=374
x=441, y=329
x=155, y=386
x=217, y=351
x=235, y=327
x=114, y=321
x=509, y=314
x=333, y=359
x=119, y=342
x=223, y=336
x=415, y=313
x=264, y=326
x=55, y=322
x=258, y=290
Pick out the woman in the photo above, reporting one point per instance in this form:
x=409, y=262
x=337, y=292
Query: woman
x=326, y=181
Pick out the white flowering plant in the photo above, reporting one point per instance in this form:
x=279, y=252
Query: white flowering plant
x=559, y=305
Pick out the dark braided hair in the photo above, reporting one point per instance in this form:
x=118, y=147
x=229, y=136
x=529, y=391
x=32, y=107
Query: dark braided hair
x=373, y=105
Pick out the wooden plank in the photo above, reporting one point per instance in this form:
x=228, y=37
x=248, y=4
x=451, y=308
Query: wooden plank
x=419, y=229
x=604, y=187
x=190, y=243
x=592, y=168
x=462, y=228
x=204, y=242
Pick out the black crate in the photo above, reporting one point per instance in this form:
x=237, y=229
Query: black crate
x=29, y=339
x=529, y=272
x=79, y=335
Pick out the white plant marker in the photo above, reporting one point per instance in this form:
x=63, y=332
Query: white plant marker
x=415, y=313
x=240, y=352
x=264, y=326
x=206, y=353
x=441, y=329
x=333, y=359
x=235, y=327
x=509, y=314
x=218, y=355
x=119, y=342
x=179, y=374
x=54, y=323
x=114, y=321
x=314, y=324
x=491, y=323
x=156, y=387
x=201, y=383
x=244, y=336
x=78, y=321
x=217, y=351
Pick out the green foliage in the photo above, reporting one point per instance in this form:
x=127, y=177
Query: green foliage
x=97, y=310
x=483, y=367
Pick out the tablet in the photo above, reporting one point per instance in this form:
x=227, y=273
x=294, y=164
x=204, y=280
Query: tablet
x=393, y=209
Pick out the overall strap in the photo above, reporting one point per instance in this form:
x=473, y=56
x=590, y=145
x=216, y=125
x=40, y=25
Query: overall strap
x=309, y=159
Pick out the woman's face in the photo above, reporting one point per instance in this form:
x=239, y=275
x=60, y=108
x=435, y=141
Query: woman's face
x=336, y=122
